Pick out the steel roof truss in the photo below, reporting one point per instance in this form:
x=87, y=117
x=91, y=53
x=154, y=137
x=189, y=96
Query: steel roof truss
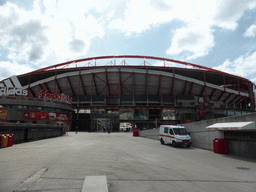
x=241, y=100
x=81, y=80
x=120, y=84
x=160, y=86
x=185, y=91
x=71, y=88
x=126, y=88
x=127, y=78
x=58, y=85
x=210, y=96
x=32, y=92
x=94, y=82
x=233, y=100
x=46, y=86
x=191, y=89
x=218, y=99
x=106, y=83
x=227, y=98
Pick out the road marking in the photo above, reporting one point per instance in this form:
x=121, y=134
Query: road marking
x=29, y=181
x=95, y=183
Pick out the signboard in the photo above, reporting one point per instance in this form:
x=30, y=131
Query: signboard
x=8, y=91
x=12, y=87
x=55, y=96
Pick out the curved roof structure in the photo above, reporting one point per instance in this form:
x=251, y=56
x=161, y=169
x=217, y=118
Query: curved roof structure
x=114, y=79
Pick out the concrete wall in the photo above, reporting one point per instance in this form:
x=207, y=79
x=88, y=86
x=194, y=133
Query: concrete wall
x=150, y=133
x=239, y=148
x=203, y=138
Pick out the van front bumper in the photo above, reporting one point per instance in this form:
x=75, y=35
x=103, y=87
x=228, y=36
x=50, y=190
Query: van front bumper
x=185, y=142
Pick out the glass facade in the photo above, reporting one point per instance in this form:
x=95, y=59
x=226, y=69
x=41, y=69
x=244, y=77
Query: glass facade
x=169, y=114
x=126, y=114
x=141, y=114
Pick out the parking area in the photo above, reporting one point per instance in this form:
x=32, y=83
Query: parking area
x=129, y=164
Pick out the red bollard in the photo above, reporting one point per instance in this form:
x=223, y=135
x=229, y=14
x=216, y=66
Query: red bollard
x=10, y=140
x=135, y=133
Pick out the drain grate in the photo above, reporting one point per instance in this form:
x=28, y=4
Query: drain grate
x=243, y=168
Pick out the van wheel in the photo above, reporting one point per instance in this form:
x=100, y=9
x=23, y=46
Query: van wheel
x=174, y=144
x=162, y=141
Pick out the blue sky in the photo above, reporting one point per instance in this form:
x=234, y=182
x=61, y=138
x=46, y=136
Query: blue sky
x=219, y=34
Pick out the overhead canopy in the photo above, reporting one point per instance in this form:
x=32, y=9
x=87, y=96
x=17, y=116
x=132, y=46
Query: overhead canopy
x=233, y=126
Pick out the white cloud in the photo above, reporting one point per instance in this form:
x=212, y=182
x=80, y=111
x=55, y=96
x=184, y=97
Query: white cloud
x=196, y=37
x=141, y=15
x=230, y=11
x=196, y=41
x=243, y=66
x=59, y=29
x=8, y=69
x=55, y=31
x=251, y=31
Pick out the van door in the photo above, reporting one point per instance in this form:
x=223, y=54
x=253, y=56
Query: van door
x=171, y=134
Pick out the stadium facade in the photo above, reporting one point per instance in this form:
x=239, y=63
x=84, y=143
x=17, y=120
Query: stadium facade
x=99, y=93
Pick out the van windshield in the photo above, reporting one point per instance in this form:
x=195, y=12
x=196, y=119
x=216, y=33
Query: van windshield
x=180, y=131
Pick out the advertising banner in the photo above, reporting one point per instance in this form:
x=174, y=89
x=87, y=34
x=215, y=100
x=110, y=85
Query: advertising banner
x=3, y=113
x=52, y=116
x=63, y=117
x=61, y=123
x=29, y=115
x=42, y=115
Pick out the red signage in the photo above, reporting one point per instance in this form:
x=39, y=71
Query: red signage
x=63, y=117
x=42, y=115
x=55, y=96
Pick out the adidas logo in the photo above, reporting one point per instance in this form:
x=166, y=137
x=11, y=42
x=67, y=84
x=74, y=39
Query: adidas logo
x=12, y=87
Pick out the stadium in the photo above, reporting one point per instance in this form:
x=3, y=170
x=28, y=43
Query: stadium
x=99, y=93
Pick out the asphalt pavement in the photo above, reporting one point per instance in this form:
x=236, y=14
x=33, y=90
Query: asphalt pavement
x=128, y=163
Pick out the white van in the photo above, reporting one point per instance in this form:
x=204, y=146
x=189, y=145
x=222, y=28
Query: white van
x=175, y=135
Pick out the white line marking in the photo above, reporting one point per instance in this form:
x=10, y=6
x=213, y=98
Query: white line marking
x=95, y=183
x=29, y=181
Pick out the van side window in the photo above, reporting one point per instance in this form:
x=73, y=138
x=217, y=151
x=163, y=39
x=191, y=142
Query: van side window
x=171, y=132
x=165, y=130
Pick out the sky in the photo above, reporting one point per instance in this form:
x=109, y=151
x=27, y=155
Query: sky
x=219, y=34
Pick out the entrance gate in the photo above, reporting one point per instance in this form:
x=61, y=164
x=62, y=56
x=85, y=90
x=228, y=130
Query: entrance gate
x=101, y=125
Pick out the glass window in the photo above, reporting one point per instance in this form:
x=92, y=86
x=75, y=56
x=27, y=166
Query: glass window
x=180, y=131
x=126, y=114
x=169, y=114
x=171, y=132
x=98, y=111
x=231, y=113
x=141, y=114
x=165, y=130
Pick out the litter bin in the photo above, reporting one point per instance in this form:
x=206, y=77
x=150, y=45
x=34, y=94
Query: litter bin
x=10, y=139
x=135, y=133
x=220, y=145
x=3, y=141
